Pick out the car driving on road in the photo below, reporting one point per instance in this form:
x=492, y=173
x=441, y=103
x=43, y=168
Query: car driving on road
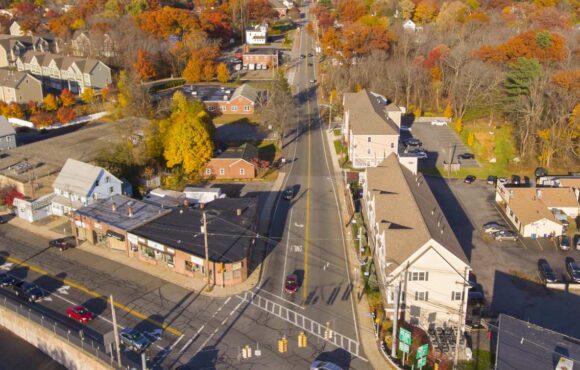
x=28, y=291
x=62, y=243
x=134, y=340
x=80, y=314
x=438, y=122
x=291, y=284
x=288, y=193
x=7, y=280
x=546, y=273
x=466, y=156
x=573, y=270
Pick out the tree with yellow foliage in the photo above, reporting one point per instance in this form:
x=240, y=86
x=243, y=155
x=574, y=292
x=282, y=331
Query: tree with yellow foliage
x=223, y=75
x=448, y=111
x=458, y=125
x=50, y=103
x=425, y=11
x=88, y=95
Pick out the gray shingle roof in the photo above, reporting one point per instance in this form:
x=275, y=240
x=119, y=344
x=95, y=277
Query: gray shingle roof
x=11, y=78
x=366, y=115
x=246, y=152
x=6, y=128
x=408, y=212
x=77, y=177
x=246, y=91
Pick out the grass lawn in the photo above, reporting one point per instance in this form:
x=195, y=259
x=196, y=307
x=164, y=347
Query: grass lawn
x=226, y=119
x=482, y=360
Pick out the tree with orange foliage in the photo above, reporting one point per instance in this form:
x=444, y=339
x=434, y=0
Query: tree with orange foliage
x=50, y=103
x=15, y=110
x=208, y=71
x=65, y=115
x=217, y=24
x=425, y=11
x=67, y=98
x=359, y=39
x=143, y=66
x=166, y=22
x=42, y=119
x=568, y=80
x=351, y=10
x=260, y=10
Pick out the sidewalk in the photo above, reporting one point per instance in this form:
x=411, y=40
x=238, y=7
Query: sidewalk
x=368, y=339
x=196, y=284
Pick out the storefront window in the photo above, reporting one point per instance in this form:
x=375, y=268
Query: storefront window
x=168, y=259
x=227, y=275
x=237, y=274
x=190, y=266
x=147, y=252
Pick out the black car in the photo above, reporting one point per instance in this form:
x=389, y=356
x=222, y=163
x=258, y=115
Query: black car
x=309, y=54
x=2, y=220
x=28, y=291
x=573, y=269
x=288, y=193
x=309, y=64
x=564, y=242
x=412, y=142
x=466, y=156
x=469, y=179
x=302, y=56
x=516, y=180
x=62, y=243
x=546, y=273
x=491, y=180
x=7, y=280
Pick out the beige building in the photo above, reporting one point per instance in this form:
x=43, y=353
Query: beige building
x=415, y=250
x=19, y=87
x=371, y=131
x=533, y=210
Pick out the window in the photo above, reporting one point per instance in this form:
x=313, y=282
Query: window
x=208, y=171
x=421, y=296
x=210, y=108
x=147, y=252
x=107, y=179
x=223, y=108
x=392, y=145
x=190, y=266
x=246, y=108
x=222, y=171
x=111, y=189
x=456, y=296
x=368, y=151
x=369, y=139
x=234, y=108
x=242, y=171
x=418, y=276
x=8, y=138
x=168, y=259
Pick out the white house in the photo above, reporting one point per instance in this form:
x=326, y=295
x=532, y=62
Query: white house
x=202, y=195
x=371, y=131
x=410, y=25
x=414, y=248
x=34, y=210
x=79, y=184
x=532, y=210
x=257, y=35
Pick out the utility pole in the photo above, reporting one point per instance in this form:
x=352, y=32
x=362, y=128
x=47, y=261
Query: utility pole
x=206, y=247
x=330, y=113
x=450, y=159
x=116, y=331
x=395, y=323
x=460, y=318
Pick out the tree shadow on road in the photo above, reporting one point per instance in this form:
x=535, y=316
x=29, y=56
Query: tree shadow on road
x=206, y=358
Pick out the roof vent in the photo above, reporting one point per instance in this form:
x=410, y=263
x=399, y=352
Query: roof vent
x=433, y=211
x=225, y=97
x=239, y=211
x=130, y=211
x=181, y=211
x=114, y=207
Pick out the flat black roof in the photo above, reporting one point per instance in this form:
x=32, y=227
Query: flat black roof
x=229, y=235
x=522, y=345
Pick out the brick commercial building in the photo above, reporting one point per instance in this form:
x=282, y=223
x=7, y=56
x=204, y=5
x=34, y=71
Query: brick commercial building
x=234, y=163
x=176, y=240
x=264, y=57
x=107, y=221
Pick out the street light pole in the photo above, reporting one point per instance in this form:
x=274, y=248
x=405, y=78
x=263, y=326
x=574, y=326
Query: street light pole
x=206, y=247
x=116, y=332
x=395, y=323
x=460, y=322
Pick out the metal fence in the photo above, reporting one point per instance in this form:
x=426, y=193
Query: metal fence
x=91, y=346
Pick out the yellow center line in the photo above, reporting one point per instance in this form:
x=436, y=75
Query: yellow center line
x=72, y=284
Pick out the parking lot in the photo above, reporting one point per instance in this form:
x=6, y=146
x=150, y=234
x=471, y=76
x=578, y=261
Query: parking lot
x=440, y=142
x=507, y=271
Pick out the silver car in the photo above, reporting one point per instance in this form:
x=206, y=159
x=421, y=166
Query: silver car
x=324, y=365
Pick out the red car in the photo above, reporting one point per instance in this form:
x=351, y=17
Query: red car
x=80, y=314
x=291, y=284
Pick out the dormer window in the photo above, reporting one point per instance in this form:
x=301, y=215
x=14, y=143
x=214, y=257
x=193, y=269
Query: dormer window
x=97, y=183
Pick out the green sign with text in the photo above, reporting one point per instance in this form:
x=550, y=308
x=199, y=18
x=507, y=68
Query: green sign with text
x=422, y=351
x=405, y=336
x=403, y=347
x=422, y=362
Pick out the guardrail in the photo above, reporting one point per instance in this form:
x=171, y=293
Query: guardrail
x=89, y=346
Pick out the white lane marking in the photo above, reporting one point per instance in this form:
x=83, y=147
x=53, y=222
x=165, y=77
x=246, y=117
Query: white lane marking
x=196, y=335
x=280, y=298
x=286, y=254
x=175, y=343
x=63, y=289
x=298, y=225
x=7, y=266
x=48, y=299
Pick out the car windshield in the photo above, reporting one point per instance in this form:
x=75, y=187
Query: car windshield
x=565, y=241
x=291, y=282
x=81, y=311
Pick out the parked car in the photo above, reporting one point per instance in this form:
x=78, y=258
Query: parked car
x=7, y=280
x=466, y=156
x=493, y=227
x=469, y=179
x=419, y=153
x=577, y=241
x=573, y=270
x=546, y=273
x=564, y=242
x=324, y=365
x=438, y=122
x=288, y=193
x=302, y=56
x=405, y=128
x=503, y=180
x=134, y=340
x=28, y=291
x=62, y=243
x=504, y=235
x=312, y=81
x=412, y=142
x=516, y=180
x=491, y=180
x=2, y=220
x=291, y=284
x=310, y=54
x=80, y=314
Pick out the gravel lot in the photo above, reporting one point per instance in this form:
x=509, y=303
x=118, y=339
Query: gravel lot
x=508, y=271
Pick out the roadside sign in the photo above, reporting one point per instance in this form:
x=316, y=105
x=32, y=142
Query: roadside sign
x=422, y=351
x=404, y=347
x=422, y=362
x=405, y=336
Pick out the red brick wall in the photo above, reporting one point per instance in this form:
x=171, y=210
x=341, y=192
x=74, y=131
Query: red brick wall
x=239, y=103
x=269, y=60
x=231, y=169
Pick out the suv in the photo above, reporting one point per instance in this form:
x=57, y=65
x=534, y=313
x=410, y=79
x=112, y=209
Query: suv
x=573, y=270
x=564, y=242
x=62, y=244
x=134, y=340
x=546, y=273
x=28, y=291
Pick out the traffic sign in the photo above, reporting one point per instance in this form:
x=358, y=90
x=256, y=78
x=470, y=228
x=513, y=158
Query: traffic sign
x=422, y=362
x=404, y=347
x=405, y=336
x=422, y=351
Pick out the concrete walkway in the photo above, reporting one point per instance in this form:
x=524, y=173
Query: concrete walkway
x=46, y=230
x=368, y=339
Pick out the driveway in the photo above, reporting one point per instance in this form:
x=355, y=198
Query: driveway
x=508, y=271
x=440, y=142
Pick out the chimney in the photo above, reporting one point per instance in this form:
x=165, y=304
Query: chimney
x=239, y=211
x=539, y=193
x=130, y=211
x=114, y=207
x=201, y=205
